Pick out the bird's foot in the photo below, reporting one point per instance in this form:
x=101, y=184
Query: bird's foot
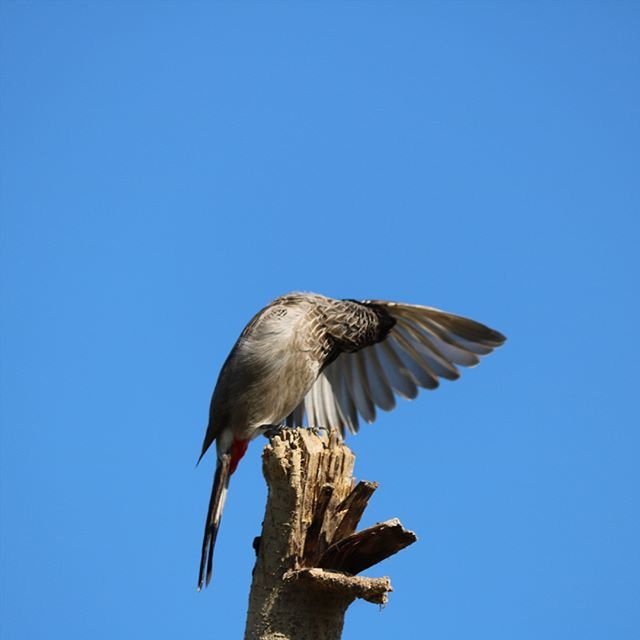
x=320, y=431
x=271, y=430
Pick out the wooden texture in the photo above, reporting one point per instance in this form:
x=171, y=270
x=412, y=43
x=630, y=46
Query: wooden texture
x=309, y=553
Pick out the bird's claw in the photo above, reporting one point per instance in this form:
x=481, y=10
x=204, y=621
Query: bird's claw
x=272, y=430
x=319, y=431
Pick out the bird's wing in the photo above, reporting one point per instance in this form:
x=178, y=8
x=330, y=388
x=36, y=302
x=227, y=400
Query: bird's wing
x=424, y=345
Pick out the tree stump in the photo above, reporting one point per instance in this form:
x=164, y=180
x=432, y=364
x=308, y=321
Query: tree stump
x=309, y=553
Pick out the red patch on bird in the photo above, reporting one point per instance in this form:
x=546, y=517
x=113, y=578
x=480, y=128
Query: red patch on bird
x=238, y=449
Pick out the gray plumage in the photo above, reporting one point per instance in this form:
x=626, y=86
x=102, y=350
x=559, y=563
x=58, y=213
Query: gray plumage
x=310, y=360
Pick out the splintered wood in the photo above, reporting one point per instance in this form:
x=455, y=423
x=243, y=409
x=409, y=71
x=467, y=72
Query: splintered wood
x=309, y=553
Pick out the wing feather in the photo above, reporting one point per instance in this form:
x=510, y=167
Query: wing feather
x=398, y=375
x=424, y=345
x=343, y=401
x=355, y=382
x=381, y=391
x=322, y=417
x=310, y=406
x=444, y=343
x=331, y=407
x=411, y=358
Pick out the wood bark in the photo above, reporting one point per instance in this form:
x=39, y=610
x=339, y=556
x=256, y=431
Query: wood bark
x=308, y=554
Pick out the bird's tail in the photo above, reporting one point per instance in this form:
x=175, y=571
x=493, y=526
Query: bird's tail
x=216, y=504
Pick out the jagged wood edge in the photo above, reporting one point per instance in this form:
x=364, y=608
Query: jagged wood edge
x=368, y=547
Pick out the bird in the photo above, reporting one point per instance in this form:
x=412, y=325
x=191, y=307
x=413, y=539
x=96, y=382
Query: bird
x=309, y=360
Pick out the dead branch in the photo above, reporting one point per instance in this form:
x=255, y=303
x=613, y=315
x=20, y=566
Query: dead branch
x=308, y=552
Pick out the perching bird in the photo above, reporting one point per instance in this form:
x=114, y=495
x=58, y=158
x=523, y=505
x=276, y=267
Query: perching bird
x=331, y=361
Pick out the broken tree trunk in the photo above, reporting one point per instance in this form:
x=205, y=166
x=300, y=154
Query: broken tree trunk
x=308, y=553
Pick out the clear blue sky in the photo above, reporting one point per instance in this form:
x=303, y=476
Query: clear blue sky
x=170, y=167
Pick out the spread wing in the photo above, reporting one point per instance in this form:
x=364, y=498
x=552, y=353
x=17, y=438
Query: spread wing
x=425, y=345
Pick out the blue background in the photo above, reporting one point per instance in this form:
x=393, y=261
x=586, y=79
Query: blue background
x=170, y=167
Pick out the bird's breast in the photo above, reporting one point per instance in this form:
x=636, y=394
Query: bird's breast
x=269, y=372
